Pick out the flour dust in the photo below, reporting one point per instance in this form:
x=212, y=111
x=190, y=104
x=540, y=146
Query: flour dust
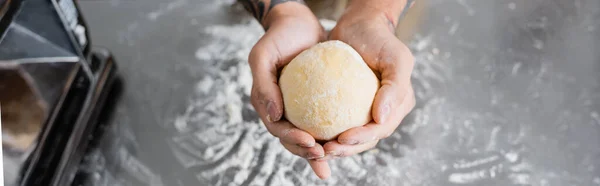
x=221, y=140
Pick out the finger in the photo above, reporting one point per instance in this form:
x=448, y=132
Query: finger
x=392, y=100
x=288, y=133
x=305, y=152
x=321, y=168
x=395, y=68
x=266, y=95
x=336, y=149
x=267, y=100
x=376, y=131
x=318, y=164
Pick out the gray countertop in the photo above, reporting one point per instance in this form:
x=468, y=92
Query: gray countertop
x=508, y=93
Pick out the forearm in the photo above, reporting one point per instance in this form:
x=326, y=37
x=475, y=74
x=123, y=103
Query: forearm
x=261, y=8
x=392, y=9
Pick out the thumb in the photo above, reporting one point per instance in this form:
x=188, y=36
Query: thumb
x=388, y=102
x=266, y=95
x=396, y=64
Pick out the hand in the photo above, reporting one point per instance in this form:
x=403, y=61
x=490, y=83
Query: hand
x=291, y=28
x=370, y=31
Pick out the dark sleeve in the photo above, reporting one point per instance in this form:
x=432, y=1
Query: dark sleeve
x=260, y=8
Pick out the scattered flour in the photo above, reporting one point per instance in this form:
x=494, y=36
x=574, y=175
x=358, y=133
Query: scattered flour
x=114, y=162
x=512, y=6
x=137, y=169
x=225, y=143
x=493, y=139
x=222, y=142
x=463, y=165
x=423, y=43
x=165, y=9
x=11, y=163
x=453, y=28
x=464, y=178
x=596, y=117
x=520, y=179
x=204, y=86
x=511, y=156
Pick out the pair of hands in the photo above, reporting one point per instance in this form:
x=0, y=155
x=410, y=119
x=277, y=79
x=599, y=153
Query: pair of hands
x=292, y=28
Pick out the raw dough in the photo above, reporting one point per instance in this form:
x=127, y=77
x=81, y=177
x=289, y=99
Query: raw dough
x=328, y=89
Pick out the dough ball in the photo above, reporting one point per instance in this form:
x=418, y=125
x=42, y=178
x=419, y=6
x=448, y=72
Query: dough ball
x=328, y=89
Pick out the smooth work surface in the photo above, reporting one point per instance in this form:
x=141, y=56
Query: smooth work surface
x=508, y=93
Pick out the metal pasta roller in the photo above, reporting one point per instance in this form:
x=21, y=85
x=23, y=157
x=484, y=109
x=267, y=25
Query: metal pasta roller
x=53, y=83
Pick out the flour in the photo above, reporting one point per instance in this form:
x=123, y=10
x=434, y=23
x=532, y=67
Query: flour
x=165, y=9
x=113, y=163
x=464, y=178
x=511, y=156
x=204, y=86
x=222, y=142
x=11, y=163
x=478, y=162
x=493, y=138
x=422, y=43
x=520, y=179
x=453, y=28
x=596, y=117
x=137, y=169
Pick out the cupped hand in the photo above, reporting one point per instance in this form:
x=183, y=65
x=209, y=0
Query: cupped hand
x=371, y=33
x=290, y=28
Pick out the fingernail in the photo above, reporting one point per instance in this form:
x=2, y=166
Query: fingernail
x=272, y=112
x=306, y=144
x=312, y=157
x=324, y=158
x=269, y=118
x=385, y=111
x=333, y=153
x=349, y=141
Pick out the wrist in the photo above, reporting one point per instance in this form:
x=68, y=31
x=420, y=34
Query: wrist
x=390, y=9
x=283, y=11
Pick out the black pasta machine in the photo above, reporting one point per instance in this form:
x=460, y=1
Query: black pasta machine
x=53, y=84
